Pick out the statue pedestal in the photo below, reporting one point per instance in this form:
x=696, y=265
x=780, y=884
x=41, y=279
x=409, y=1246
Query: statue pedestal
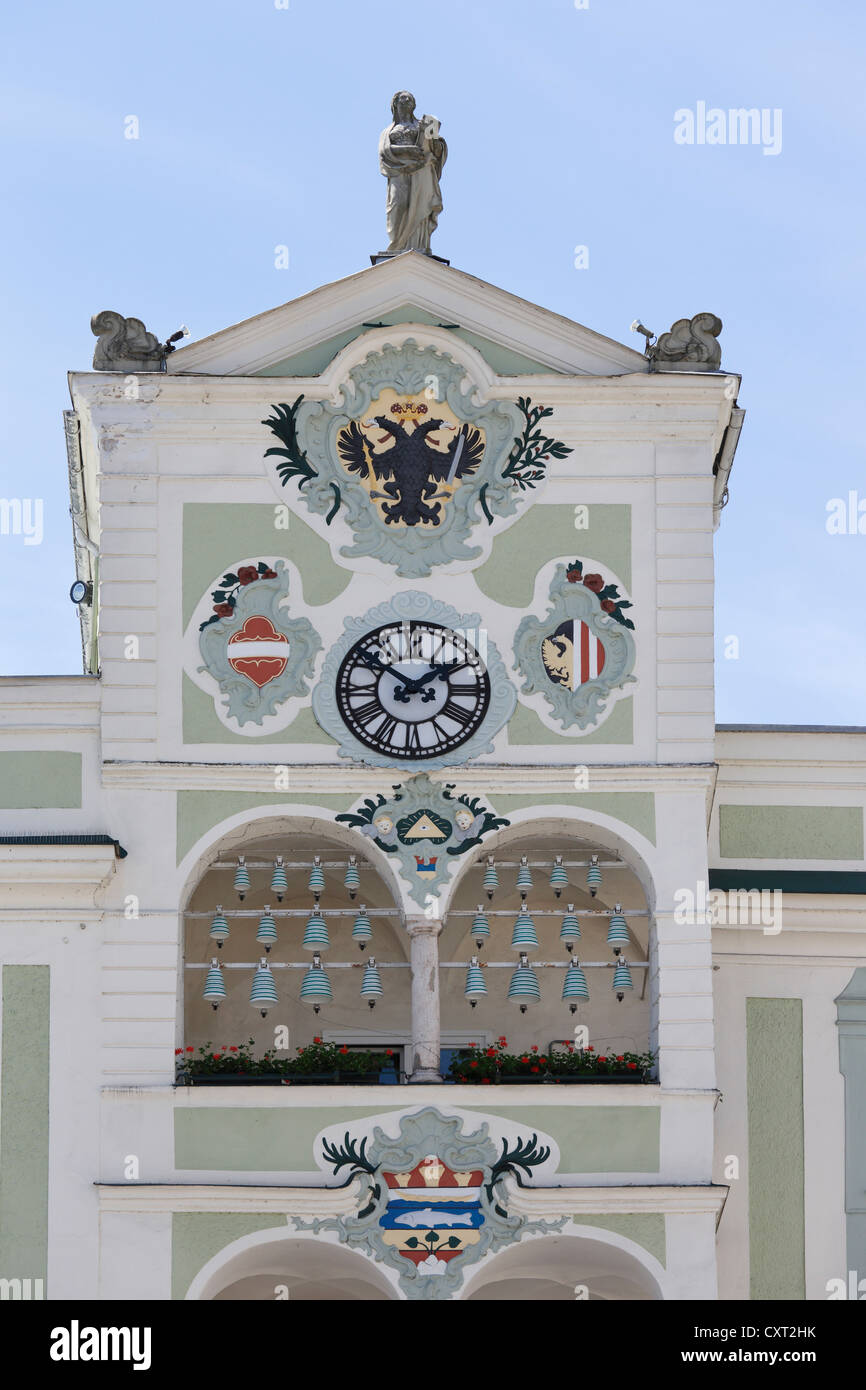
x=379, y=256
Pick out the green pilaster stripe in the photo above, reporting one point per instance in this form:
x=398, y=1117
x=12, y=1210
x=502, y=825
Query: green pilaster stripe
x=24, y=1123
x=196, y=1236
x=777, y=1233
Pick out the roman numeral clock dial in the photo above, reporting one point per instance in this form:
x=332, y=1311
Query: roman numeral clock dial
x=412, y=690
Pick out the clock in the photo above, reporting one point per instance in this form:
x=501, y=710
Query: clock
x=411, y=690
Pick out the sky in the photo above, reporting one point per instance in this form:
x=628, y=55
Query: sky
x=257, y=124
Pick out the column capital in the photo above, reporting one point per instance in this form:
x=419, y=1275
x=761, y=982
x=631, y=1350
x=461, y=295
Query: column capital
x=423, y=926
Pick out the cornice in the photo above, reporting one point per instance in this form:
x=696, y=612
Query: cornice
x=328, y=779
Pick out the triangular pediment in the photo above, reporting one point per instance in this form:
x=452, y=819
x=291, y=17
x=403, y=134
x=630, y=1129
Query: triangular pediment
x=301, y=338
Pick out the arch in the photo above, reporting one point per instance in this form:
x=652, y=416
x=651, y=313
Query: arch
x=303, y=1262
x=608, y=1266
x=259, y=823
x=605, y=831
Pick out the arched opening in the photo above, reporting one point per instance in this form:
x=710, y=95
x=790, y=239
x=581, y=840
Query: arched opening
x=286, y=901
x=613, y=1025
x=564, y=1269
x=282, y=1269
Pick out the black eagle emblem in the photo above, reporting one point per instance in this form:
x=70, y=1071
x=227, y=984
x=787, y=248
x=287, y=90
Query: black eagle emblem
x=411, y=470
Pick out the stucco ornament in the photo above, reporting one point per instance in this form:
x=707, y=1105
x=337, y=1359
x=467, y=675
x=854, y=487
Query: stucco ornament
x=413, y=684
x=433, y=1199
x=257, y=654
x=124, y=345
x=425, y=827
x=580, y=651
x=409, y=459
x=690, y=346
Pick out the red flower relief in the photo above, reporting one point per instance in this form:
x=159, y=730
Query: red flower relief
x=595, y=582
x=247, y=573
x=608, y=605
x=224, y=610
x=269, y=574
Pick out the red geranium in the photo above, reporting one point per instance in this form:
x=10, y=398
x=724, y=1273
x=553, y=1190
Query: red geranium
x=491, y=1052
x=620, y=1059
x=190, y=1049
x=589, y=1048
x=473, y=1064
x=632, y=1066
x=535, y=1068
x=178, y=1051
x=343, y=1051
x=232, y=1049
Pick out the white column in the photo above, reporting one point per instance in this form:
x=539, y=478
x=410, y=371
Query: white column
x=424, y=939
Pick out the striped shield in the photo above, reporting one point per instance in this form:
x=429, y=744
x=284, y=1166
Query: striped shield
x=258, y=651
x=572, y=654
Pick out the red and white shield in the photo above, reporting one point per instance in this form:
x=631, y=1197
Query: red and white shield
x=258, y=651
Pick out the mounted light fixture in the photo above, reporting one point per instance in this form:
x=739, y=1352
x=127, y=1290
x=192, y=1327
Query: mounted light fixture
x=81, y=591
x=524, y=984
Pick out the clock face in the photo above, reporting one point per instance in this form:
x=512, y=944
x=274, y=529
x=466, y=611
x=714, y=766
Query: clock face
x=413, y=690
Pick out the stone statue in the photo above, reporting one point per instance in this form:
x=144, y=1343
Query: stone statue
x=690, y=346
x=125, y=345
x=411, y=156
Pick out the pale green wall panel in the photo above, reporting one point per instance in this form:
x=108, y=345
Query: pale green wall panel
x=791, y=832
x=525, y=728
x=24, y=1083
x=504, y=361
x=546, y=531
x=219, y=534
x=39, y=779
x=592, y=1139
x=196, y=1236
x=201, y=725
x=197, y=812
x=637, y=809
x=256, y=1140
x=776, y=1167
x=646, y=1229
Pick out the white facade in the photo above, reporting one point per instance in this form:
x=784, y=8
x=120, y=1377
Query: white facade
x=123, y=791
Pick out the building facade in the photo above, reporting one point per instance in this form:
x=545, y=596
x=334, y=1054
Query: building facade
x=398, y=716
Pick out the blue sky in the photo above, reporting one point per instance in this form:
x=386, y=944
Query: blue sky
x=258, y=127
